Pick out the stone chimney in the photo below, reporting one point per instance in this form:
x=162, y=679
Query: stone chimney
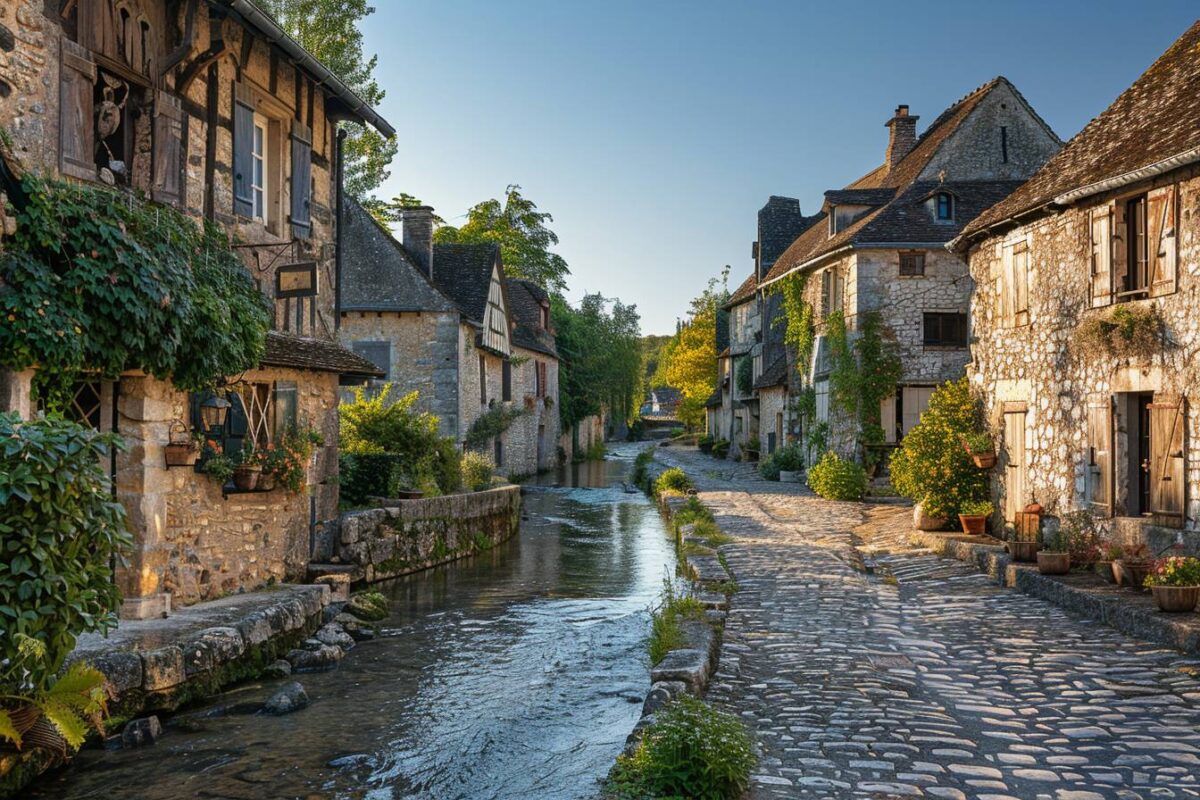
x=902, y=137
x=417, y=236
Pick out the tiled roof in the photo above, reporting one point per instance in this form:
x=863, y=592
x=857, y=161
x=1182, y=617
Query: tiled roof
x=774, y=375
x=463, y=272
x=525, y=299
x=1156, y=118
x=377, y=272
x=780, y=221
x=900, y=220
x=743, y=292
x=860, y=197
x=297, y=352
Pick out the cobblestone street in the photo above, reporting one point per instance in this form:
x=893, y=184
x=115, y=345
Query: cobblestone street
x=925, y=679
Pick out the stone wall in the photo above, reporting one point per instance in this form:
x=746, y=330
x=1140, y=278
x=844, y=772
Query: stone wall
x=771, y=402
x=424, y=357
x=1039, y=365
x=418, y=534
x=575, y=442
x=531, y=442
x=193, y=544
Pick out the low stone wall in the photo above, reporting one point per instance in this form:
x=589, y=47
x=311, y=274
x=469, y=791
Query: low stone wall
x=417, y=534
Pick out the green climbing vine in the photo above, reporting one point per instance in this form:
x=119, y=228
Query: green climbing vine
x=102, y=280
x=862, y=373
x=798, y=317
x=490, y=424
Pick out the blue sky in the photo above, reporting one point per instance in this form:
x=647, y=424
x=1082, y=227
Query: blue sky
x=653, y=132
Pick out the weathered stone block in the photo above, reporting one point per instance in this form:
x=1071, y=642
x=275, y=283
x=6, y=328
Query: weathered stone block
x=688, y=666
x=123, y=670
x=162, y=668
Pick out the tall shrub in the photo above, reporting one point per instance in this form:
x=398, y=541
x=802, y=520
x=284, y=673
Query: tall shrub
x=931, y=466
x=60, y=532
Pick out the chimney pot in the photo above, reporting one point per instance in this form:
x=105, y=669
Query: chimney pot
x=417, y=236
x=902, y=136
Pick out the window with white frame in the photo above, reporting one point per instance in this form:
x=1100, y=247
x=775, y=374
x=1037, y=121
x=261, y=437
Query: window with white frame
x=258, y=174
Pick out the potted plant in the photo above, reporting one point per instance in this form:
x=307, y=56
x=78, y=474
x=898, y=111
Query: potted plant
x=1133, y=566
x=790, y=460
x=247, y=469
x=1024, y=544
x=182, y=449
x=923, y=520
x=981, y=449
x=973, y=516
x=1175, y=583
x=1055, y=557
x=219, y=467
x=1083, y=540
x=1109, y=555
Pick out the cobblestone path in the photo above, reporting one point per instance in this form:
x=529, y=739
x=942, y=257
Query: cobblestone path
x=925, y=679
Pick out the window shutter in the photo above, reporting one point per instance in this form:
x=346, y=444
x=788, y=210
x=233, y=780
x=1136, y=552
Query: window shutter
x=1163, y=244
x=1167, y=458
x=1119, y=233
x=76, y=122
x=168, y=147
x=1102, y=252
x=1006, y=287
x=301, y=180
x=1097, y=460
x=826, y=292
x=243, y=150
x=1020, y=283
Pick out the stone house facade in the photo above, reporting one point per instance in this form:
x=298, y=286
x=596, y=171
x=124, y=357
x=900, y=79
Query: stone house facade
x=879, y=249
x=203, y=106
x=443, y=320
x=1108, y=232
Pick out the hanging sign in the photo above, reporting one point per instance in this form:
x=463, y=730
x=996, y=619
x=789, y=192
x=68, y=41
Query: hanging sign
x=296, y=280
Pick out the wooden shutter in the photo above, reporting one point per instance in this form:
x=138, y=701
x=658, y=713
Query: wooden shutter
x=168, y=147
x=1102, y=253
x=1020, y=283
x=1163, y=242
x=76, y=122
x=301, y=187
x=1004, y=287
x=1167, y=459
x=1097, y=461
x=1014, y=468
x=243, y=150
x=1119, y=233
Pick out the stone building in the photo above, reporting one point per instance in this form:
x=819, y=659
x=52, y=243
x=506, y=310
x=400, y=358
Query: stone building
x=444, y=321
x=1106, y=236
x=879, y=249
x=208, y=107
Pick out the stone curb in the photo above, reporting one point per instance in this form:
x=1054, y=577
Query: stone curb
x=1130, y=613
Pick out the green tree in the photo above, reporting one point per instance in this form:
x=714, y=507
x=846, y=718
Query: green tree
x=600, y=357
x=520, y=229
x=391, y=212
x=689, y=361
x=329, y=29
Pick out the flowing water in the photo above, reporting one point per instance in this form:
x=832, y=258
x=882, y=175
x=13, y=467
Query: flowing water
x=514, y=674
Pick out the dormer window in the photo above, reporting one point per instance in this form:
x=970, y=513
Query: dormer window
x=545, y=317
x=944, y=202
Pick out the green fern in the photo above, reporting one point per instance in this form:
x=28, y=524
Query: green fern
x=74, y=704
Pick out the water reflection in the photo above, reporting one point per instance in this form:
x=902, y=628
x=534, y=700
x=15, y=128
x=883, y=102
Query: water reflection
x=516, y=674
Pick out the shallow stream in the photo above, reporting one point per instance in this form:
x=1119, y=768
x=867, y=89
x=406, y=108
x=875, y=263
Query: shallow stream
x=514, y=674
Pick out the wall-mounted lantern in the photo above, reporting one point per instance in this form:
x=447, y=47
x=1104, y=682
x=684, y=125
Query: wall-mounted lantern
x=213, y=411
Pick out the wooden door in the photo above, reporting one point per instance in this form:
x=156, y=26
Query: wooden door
x=1014, y=469
x=1167, y=479
x=1098, y=456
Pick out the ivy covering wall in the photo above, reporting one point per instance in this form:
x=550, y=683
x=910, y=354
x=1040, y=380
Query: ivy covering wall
x=101, y=280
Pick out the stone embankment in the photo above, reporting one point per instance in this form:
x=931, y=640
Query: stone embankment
x=411, y=535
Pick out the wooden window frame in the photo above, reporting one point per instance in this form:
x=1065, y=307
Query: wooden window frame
x=949, y=205
x=941, y=341
x=913, y=257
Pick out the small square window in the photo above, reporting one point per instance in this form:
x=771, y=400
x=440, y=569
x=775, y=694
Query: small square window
x=945, y=206
x=912, y=263
x=945, y=329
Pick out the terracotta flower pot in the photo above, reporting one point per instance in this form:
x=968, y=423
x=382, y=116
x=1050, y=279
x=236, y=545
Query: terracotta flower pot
x=984, y=460
x=246, y=478
x=973, y=524
x=1105, y=569
x=926, y=522
x=266, y=481
x=1175, y=599
x=181, y=455
x=1133, y=573
x=1053, y=563
x=1024, y=551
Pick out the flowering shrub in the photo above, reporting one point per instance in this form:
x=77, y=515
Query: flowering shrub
x=931, y=465
x=673, y=481
x=836, y=478
x=1175, y=571
x=1083, y=540
x=288, y=459
x=477, y=471
x=976, y=508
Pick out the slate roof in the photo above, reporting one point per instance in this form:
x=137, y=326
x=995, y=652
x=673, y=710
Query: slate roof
x=525, y=309
x=722, y=330
x=860, y=197
x=774, y=375
x=901, y=219
x=463, y=272
x=377, y=272
x=298, y=352
x=743, y=292
x=780, y=221
x=1156, y=118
